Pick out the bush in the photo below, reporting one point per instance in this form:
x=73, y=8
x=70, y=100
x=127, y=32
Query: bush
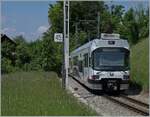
x=6, y=66
x=140, y=64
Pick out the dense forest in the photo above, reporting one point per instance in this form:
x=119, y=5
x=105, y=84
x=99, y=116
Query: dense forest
x=46, y=55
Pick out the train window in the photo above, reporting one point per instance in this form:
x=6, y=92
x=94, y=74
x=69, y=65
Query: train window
x=70, y=62
x=75, y=60
x=89, y=61
x=80, y=66
x=85, y=60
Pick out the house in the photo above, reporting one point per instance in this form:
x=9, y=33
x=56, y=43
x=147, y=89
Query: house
x=8, y=47
x=5, y=38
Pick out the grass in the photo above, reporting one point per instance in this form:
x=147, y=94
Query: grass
x=140, y=64
x=38, y=93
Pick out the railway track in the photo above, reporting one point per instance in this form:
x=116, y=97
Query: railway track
x=135, y=101
x=123, y=100
x=136, y=106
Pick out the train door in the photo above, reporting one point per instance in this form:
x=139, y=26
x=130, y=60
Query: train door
x=80, y=66
x=85, y=67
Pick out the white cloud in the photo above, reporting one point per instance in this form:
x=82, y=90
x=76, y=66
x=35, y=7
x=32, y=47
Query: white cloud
x=21, y=33
x=42, y=29
x=6, y=30
x=12, y=32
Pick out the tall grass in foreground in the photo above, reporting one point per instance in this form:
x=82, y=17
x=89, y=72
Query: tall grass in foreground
x=140, y=63
x=38, y=93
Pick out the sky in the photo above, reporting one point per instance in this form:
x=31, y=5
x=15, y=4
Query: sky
x=27, y=18
x=30, y=18
x=130, y=3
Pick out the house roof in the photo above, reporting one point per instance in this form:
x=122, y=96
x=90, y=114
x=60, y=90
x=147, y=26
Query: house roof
x=5, y=37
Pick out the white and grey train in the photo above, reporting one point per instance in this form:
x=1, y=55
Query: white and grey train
x=102, y=63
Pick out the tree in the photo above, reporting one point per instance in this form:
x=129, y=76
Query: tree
x=35, y=53
x=45, y=54
x=135, y=23
x=22, y=52
x=51, y=51
x=7, y=56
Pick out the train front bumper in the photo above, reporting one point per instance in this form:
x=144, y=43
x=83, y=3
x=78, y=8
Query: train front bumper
x=124, y=84
x=100, y=84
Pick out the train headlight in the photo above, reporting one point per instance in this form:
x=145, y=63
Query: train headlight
x=126, y=77
x=95, y=77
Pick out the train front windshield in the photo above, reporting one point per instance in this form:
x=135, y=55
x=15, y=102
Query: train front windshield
x=111, y=59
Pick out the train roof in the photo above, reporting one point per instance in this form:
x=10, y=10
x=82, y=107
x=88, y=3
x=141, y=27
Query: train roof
x=96, y=43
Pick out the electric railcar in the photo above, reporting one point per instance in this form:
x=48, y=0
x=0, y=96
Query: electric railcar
x=102, y=63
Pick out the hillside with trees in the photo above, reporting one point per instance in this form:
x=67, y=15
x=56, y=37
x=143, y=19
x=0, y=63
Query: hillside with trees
x=46, y=55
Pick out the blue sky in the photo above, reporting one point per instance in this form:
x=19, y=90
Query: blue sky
x=27, y=18
x=30, y=18
x=130, y=3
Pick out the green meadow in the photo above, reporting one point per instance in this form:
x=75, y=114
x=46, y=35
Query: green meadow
x=38, y=93
x=140, y=63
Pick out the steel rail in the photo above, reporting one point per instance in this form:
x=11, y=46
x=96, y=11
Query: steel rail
x=135, y=101
x=134, y=108
x=142, y=111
